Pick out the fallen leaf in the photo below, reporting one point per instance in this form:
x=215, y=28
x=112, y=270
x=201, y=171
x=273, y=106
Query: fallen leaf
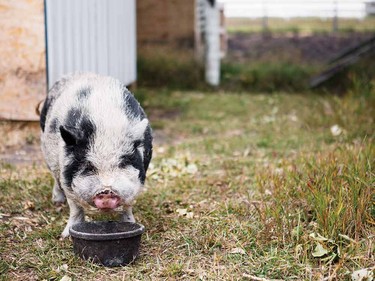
x=336, y=130
x=364, y=274
x=66, y=278
x=318, y=237
x=61, y=268
x=238, y=251
x=346, y=237
x=181, y=212
x=184, y=212
x=29, y=205
x=192, y=169
x=319, y=251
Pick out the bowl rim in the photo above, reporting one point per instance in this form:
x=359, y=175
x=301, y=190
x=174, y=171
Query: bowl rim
x=106, y=236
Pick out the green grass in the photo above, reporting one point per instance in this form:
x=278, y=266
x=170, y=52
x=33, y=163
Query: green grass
x=267, y=76
x=165, y=67
x=170, y=70
x=241, y=185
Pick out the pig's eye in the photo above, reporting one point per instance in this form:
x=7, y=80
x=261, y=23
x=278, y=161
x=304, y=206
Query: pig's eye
x=89, y=169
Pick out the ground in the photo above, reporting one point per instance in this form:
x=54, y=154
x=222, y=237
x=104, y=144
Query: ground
x=245, y=186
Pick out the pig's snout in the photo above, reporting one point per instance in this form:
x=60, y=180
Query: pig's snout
x=106, y=199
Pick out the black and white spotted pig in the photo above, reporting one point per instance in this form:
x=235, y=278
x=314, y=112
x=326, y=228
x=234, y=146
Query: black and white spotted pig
x=97, y=142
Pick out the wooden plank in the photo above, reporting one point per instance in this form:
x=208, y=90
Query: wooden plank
x=347, y=58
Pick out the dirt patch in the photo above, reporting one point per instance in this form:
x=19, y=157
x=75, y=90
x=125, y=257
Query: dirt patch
x=20, y=143
x=314, y=48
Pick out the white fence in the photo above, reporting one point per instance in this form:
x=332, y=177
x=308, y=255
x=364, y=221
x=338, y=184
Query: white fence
x=295, y=8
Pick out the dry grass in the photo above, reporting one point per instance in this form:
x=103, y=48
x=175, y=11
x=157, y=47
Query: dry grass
x=244, y=187
x=300, y=25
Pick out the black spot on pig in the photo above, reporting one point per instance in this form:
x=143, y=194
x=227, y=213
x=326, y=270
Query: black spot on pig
x=54, y=125
x=84, y=93
x=52, y=95
x=44, y=112
x=135, y=160
x=77, y=140
x=89, y=169
x=73, y=118
x=147, y=144
x=132, y=106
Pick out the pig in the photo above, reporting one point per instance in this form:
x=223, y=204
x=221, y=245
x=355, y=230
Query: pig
x=97, y=143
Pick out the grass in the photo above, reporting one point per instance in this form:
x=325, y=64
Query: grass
x=161, y=66
x=266, y=76
x=241, y=187
x=299, y=25
x=165, y=68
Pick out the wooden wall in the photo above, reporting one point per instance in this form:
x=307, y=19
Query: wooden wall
x=164, y=22
x=22, y=58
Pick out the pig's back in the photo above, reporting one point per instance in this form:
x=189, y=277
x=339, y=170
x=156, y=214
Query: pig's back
x=103, y=99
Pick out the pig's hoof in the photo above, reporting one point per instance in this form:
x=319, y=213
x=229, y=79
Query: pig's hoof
x=127, y=218
x=65, y=233
x=58, y=199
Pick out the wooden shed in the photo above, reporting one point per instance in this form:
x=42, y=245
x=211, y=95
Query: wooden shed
x=50, y=38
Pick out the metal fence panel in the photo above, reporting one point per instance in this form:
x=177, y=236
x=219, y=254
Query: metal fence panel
x=91, y=35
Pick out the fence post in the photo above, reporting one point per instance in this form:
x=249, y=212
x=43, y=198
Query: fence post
x=335, y=21
x=212, y=44
x=265, y=17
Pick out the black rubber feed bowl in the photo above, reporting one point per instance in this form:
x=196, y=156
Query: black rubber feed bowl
x=109, y=243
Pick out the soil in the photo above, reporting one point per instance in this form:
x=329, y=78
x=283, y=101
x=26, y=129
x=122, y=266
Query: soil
x=19, y=143
x=313, y=48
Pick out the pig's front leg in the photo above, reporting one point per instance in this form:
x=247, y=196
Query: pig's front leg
x=127, y=215
x=76, y=215
x=58, y=196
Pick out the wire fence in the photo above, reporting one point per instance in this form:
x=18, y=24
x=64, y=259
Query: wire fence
x=329, y=10
x=295, y=8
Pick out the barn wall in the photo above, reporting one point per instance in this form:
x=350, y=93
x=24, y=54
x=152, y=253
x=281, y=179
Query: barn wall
x=22, y=58
x=164, y=22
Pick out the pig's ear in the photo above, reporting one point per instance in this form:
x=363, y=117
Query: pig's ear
x=138, y=130
x=70, y=137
